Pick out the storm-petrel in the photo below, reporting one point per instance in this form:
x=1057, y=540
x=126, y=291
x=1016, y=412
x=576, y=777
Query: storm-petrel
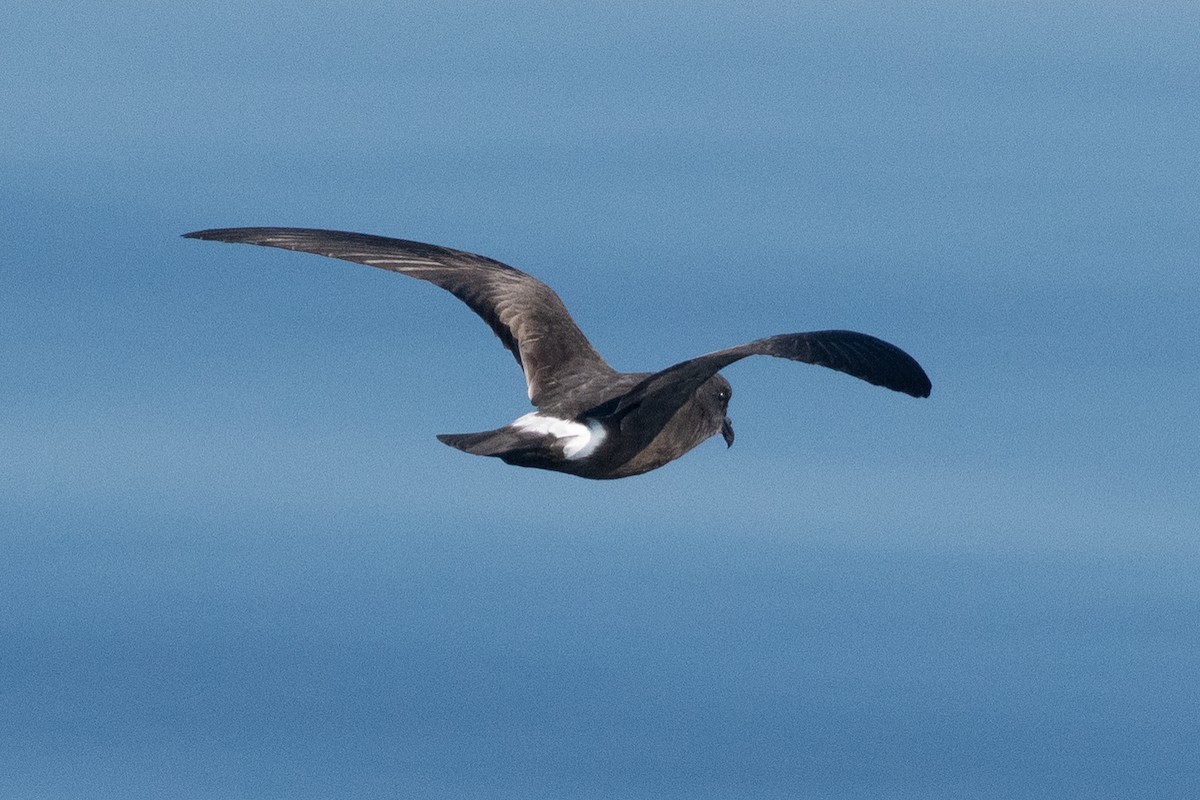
x=591, y=420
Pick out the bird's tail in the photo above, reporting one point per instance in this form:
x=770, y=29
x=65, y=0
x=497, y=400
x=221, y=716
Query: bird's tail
x=517, y=446
x=493, y=443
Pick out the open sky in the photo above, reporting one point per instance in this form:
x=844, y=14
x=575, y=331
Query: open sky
x=235, y=563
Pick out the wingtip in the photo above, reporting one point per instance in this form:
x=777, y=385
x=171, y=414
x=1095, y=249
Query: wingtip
x=272, y=236
x=207, y=233
x=919, y=389
x=214, y=234
x=236, y=235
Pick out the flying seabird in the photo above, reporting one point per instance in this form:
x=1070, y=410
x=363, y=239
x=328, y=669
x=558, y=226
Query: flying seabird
x=591, y=420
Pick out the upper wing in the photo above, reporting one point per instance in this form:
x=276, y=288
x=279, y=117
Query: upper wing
x=525, y=313
x=659, y=396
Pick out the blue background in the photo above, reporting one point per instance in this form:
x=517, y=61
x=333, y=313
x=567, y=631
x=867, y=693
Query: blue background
x=235, y=563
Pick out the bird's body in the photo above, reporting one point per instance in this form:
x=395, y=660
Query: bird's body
x=591, y=420
x=594, y=443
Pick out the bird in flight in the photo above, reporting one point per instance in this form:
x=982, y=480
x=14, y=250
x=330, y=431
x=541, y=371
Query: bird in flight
x=591, y=420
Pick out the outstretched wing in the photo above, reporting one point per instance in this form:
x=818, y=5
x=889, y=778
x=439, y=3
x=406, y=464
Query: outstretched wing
x=659, y=396
x=525, y=313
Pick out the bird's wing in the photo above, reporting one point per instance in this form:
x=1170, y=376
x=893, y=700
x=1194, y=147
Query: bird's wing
x=659, y=396
x=525, y=313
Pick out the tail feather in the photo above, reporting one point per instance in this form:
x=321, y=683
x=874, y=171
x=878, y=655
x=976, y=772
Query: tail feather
x=512, y=445
x=500, y=442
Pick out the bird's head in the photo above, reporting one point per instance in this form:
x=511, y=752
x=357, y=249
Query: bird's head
x=713, y=397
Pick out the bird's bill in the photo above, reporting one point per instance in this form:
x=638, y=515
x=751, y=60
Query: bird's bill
x=727, y=432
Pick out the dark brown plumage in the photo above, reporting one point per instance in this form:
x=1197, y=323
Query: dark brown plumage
x=591, y=420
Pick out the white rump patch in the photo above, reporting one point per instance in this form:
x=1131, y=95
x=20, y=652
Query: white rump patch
x=578, y=440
